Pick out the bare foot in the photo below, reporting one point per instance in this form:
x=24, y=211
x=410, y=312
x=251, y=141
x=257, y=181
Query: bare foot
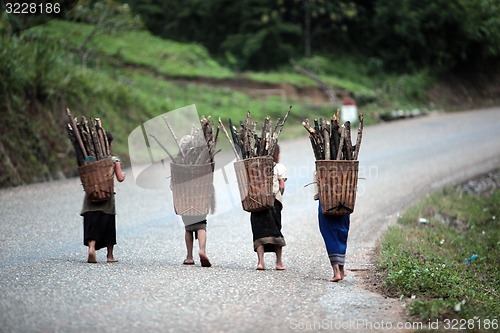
x=280, y=267
x=338, y=273
x=260, y=267
x=335, y=279
x=111, y=260
x=204, y=260
x=188, y=262
x=91, y=258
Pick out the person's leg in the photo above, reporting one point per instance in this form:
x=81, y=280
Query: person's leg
x=343, y=272
x=202, y=240
x=110, y=257
x=279, y=263
x=91, y=257
x=260, y=257
x=337, y=275
x=188, y=237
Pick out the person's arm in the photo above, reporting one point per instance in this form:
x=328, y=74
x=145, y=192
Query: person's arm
x=282, y=185
x=120, y=175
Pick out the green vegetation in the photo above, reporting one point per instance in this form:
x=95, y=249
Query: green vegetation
x=99, y=61
x=139, y=49
x=440, y=35
x=433, y=261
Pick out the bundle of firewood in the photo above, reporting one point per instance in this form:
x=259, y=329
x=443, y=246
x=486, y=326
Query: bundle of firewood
x=251, y=141
x=88, y=138
x=196, y=148
x=332, y=141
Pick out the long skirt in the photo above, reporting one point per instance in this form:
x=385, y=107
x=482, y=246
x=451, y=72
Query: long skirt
x=100, y=227
x=266, y=228
x=334, y=230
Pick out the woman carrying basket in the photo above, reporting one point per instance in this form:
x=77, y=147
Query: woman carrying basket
x=99, y=228
x=334, y=230
x=266, y=224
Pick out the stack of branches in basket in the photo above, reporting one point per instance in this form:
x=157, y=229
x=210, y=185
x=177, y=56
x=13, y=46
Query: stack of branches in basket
x=88, y=138
x=247, y=139
x=332, y=141
x=198, y=147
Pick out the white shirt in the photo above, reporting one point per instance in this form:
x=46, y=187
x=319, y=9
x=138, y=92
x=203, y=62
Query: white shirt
x=279, y=172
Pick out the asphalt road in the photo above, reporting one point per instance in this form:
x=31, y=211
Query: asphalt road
x=47, y=286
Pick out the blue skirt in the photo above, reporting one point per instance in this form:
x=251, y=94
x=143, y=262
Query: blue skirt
x=334, y=230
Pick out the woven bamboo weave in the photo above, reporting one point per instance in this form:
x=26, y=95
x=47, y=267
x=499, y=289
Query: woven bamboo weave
x=97, y=179
x=192, y=188
x=255, y=182
x=337, y=183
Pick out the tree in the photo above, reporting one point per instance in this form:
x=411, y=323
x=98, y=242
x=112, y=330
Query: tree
x=440, y=34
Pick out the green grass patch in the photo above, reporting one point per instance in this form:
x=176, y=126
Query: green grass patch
x=139, y=48
x=428, y=261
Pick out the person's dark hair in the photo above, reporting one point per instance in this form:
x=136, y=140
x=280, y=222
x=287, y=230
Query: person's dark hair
x=276, y=153
x=109, y=136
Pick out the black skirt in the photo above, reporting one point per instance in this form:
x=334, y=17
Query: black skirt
x=100, y=227
x=266, y=228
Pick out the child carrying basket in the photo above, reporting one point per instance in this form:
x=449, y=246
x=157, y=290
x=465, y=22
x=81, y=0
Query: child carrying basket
x=192, y=185
x=97, y=169
x=261, y=182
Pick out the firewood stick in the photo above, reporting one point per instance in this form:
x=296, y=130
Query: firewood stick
x=103, y=137
x=208, y=136
x=80, y=159
x=267, y=146
x=358, y=139
x=72, y=123
x=326, y=136
x=316, y=126
x=263, y=140
x=230, y=141
x=280, y=128
x=162, y=147
x=312, y=137
x=96, y=140
x=233, y=134
x=335, y=136
x=341, y=144
x=348, y=142
x=215, y=139
x=248, y=134
x=86, y=137
x=173, y=134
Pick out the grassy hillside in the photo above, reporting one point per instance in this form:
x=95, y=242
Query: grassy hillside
x=129, y=78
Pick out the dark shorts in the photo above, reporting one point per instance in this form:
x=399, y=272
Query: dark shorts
x=197, y=226
x=100, y=227
x=266, y=228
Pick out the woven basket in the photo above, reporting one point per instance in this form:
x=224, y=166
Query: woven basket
x=337, y=182
x=255, y=182
x=97, y=179
x=192, y=188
